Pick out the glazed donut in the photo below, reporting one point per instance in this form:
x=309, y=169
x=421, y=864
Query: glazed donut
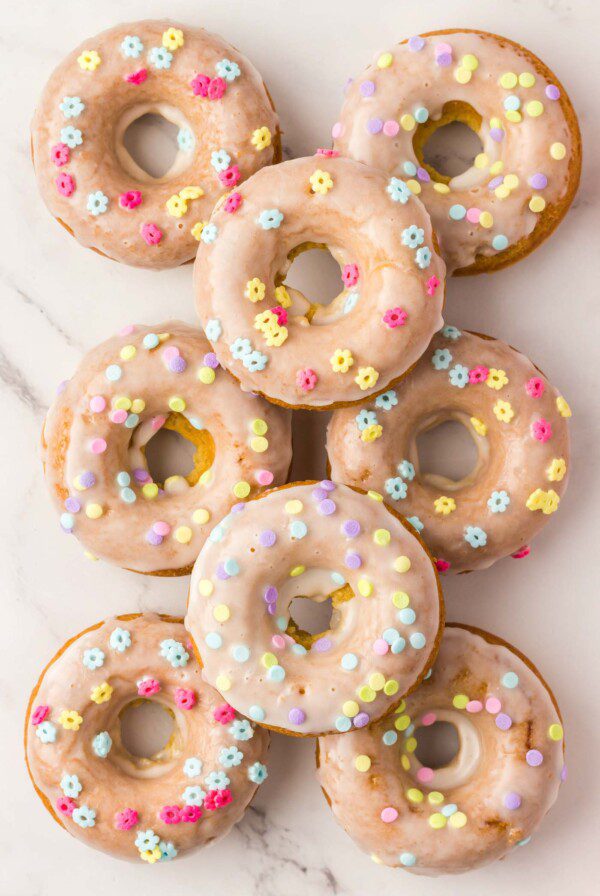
x=314, y=540
x=273, y=340
x=96, y=432
x=517, y=421
x=190, y=793
x=228, y=129
x=488, y=799
x=522, y=182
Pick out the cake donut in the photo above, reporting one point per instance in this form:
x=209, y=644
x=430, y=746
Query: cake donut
x=270, y=336
x=190, y=793
x=488, y=799
x=521, y=183
x=227, y=130
x=313, y=540
x=517, y=420
x=96, y=432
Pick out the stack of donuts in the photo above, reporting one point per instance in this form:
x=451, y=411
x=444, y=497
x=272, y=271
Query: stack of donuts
x=378, y=535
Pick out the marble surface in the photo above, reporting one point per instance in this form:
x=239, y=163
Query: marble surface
x=59, y=300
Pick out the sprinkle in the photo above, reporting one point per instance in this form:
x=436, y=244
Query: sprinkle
x=362, y=763
x=534, y=758
x=389, y=814
x=558, y=151
x=555, y=732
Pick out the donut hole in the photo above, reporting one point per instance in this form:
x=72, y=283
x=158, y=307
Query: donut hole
x=447, y=146
x=311, y=616
x=447, y=454
x=147, y=728
x=315, y=276
x=151, y=141
x=437, y=744
x=178, y=449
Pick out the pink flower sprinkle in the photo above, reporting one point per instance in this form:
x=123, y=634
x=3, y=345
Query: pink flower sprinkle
x=541, y=430
x=478, y=374
x=65, y=805
x=130, y=199
x=190, y=814
x=216, y=88
x=395, y=317
x=306, y=379
x=327, y=153
x=281, y=315
x=60, y=154
x=170, y=814
x=442, y=565
x=350, y=275
x=126, y=819
x=432, y=285
x=137, y=77
x=224, y=714
x=147, y=687
x=230, y=177
x=151, y=234
x=535, y=387
x=185, y=698
x=65, y=184
x=523, y=551
x=40, y=714
x=199, y=85
x=216, y=799
x=232, y=203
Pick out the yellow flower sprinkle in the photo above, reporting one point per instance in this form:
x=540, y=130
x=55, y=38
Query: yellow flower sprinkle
x=70, y=719
x=503, y=411
x=366, y=377
x=371, y=432
x=321, y=181
x=261, y=138
x=102, y=693
x=89, y=60
x=255, y=290
x=444, y=505
x=172, y=39
x=496, y=379
x=341, y=360
x=177, y=207
x=563, y=407
x=479, y=426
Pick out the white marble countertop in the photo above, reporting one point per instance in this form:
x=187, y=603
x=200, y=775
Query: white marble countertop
x=59, y=300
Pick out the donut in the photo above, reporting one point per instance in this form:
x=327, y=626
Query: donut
x=271, y=337
x=185, y=796
x=314, y=540
x=227, y=125
x=96, y=432
x=518, y=187
x=517, y=420
x=488, y=799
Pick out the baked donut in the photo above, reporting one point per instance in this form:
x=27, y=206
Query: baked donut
x=96, y=432
x=488, y=799
x=190, y=793
x=525, y=177
x=517, y=421
x=314, y=540
x=228, y=129
x=298, y=353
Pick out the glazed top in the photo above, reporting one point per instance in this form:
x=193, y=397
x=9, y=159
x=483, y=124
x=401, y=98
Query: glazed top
x=96, y=431
x=272, y=338
x=530, y=156
x=488, y=799
x=193, y=791
x=313, y=540
x=203, y=85
x=517, y=420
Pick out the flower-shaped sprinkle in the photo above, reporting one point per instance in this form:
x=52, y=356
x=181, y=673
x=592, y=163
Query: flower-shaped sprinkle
x=547, y=502
x=365, y=418
x=160, y=58
x=148, y=686
x=557, y=469
x=255, y=290
x=350, y=275
x=535, y=387
x=306, y=379
x=39, y=714
x=209, y=233
x=398, y=190
x=71, y=136
x=65, y=184
x=84, y=817
x=227, y=70
x=167, y=851
x=101, y=744
x=441, y=359
x=131, y=199
x=444, y=505
x=60, y=154
x=475, y=536
x=170, y=814
x=131, y=46
x=372, y=432
x=224, y=714
x=562, y=406
x=341, y=361
x=413, y=236
x=151, y=855
x=503, y=411
x=216, y=781
x=479, y=426
x=241, y=729
x=497, y=379
x=70, y=719
x=240, y=347
x=185, y=140
x=366, y=377
x=102, y=693
x=387, y=400
x=193, y=795
x=89, y=60
x=459, y=376
x=185, y=698
x=396, y=488
x=261, y=138
x=46, y=732
x=270, y=218
x=213, y=329
x=498, y=501
x=395, y=317
x=541, y=430
x=257, y=773
x=146, y=840
x=321, y=181
x=97, y=203
x=406, y=470
x=93, y=658
x=71, y=785
x=174, y=652
x=216, y=799
x=232, y=202
x=255, y=361
x=126, y=819
x=478, y=374
x=172, y=39
x=230, y=177
x=451, y=332
x=220, y=159
x=416, y=523
x=423, y=257
x=71, y=106
x=66, y=805
x=192, y=767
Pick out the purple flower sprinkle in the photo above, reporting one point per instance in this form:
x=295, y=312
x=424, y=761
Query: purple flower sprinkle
x=538, y=181
x=552, y=92
x=297, y=716
x=267, y=538
x=327, y=507
x=361, y=719
x=503, y=721
x=367, y=88
x=512, y=800
x=534, y=757
x=72, y=505
x=374, y=125
x=351, y=528
x=416, y=43
x=353, y=560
